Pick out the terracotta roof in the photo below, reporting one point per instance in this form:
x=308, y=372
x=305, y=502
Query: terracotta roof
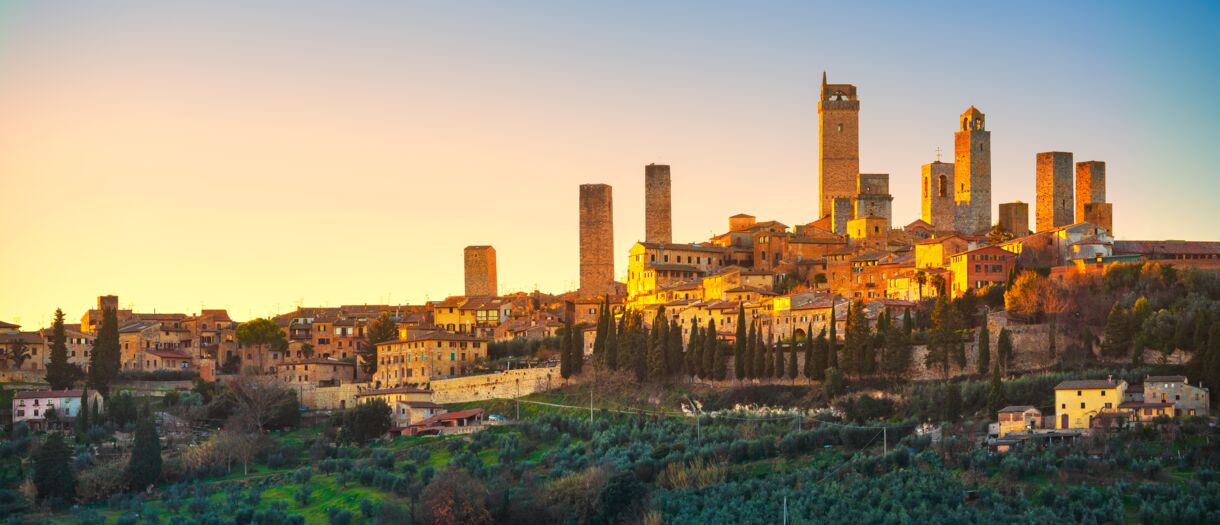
x=168, y=354
x=320, y=361
x=461, y=414
x=1165, y=379
x=672, y=267
x=742, y=216
x=42, y=394
x=1017, y=408
x=1087, y=384
x=8, y=326
x=1144, y=404
x=1167, y=247
x=420, y=404
x=30, y=338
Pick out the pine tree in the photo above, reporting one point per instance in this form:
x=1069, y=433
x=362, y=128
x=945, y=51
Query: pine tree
x=995, y=398
x=104, y=360
x=984, y=348
x=1117, y=335
x=896, y=354
x=944, y=338
x=53, y=474
x=60, y=373
x=144, y=468
x=1004, y=348
x=741, y=362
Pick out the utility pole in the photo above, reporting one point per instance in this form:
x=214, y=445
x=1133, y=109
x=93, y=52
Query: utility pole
x=885, y=446
x=785, y=510
x=590, y=408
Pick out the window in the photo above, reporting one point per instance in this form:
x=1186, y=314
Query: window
x=1082, y=405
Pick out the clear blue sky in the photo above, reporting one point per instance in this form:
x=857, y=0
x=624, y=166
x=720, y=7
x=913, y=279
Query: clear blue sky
x=250, y=155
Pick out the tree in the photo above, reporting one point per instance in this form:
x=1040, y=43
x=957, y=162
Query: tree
x=921, y=278
x=60, y=373
x=833, y=386
x=832, y=353
x=53, y=474
x=621, y=494
x=565, y=352
x=18, y=352
x=907, y=325
x=938, y=282
x=758, y=352
x=104, y=359
x=577, y=347
x=262, y=402
x=599, y=338
x=677, y=356
x=1004, y=348
x=144, y=467
x=807, y=369
x=262, y=334
x=998, y=235
x=1211, y=361
x=769, y=362
x=995, y=398
x=792, y=365
x=658, y=349
x=713, y=365
x=611, y=351
x=953, y=402
x=694, y=353
x=984, y=348
x=82, y=417
x=821, y=349
x=943, y=338
x=1117, y=335
x=453, y=498
x=741, y=365
x=368, y=420
x=307, y=350
x=379, y=330
x=896, y=356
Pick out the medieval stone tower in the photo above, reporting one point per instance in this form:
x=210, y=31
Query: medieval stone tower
x=658, y=219
x=1090, y=185
x=1054, y=206
x=480, y=271
x=972, y=173
x=1014, y=218
x=839, y=144
x=596, y=239
x=873, y=197
x=937, y=183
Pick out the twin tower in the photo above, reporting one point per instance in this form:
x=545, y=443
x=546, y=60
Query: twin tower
x=956, y=196
x=597, y=227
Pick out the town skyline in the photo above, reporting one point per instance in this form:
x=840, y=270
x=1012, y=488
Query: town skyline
x=325, y=215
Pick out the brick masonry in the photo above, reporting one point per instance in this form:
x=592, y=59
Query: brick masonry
x=1101, y=214
x=1090, y=186
x=937, y=195
x=1014, y=218
x=658, y=218
x=596, y=239
x=972, y=173
x=838, y=145
x=480, y=271
x=841, y=212
x=1054, y=188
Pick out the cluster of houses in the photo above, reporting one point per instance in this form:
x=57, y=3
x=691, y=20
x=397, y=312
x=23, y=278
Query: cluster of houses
x=1086, y=405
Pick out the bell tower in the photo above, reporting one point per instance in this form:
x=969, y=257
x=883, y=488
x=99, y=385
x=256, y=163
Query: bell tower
x=972, y=173
x=838, y=145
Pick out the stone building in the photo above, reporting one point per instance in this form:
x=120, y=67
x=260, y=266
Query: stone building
x=972, y=173
x=1101, y=214
x=480, y=271
x=839, y=144
x=1054, y=189
x=841, y=213
x=873, y=197
x=1090, y=186
x=1014, y=218
x=937, y=202
x=658, y=218
x=596, y=239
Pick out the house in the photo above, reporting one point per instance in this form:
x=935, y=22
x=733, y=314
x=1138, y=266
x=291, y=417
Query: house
x=32, y=406
x=406, y=413
x=1079, y=402
x=318, y=372
x=1019, y=418
x=979, y=268
x=427, y=356
x=1185, y=398
x=1145, y=411
x=461, y=422
x=395, y=396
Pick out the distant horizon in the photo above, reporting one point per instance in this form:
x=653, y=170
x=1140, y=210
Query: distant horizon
x=250, y=158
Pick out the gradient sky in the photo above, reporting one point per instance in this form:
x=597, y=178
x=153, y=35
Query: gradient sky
x=251, y=156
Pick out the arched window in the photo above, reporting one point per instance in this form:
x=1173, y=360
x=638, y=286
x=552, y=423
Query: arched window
x=943, y=186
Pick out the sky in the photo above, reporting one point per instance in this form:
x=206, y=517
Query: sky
x=256, y=156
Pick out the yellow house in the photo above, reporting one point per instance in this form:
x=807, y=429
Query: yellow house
x=1077, y=403
x=1019, y=418
x=419, y=360
x=1145, y=411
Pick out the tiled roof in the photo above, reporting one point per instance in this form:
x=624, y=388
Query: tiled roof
x=43, y=394
x=1167, y=247
x=1086, y=384
x=1165, y=379
x=169, y=354
x=1017, y=408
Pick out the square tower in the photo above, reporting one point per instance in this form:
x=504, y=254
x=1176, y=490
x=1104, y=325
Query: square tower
x=838, y=145
x=1054, y=188
x=841, y=212
x=480, y=271
x=972, y=173
x=658, y=220
x=937, y=203
x=1100, y=214
x=1090, y=186
x=1014, y=218
x=873, y=197
x=596, y=239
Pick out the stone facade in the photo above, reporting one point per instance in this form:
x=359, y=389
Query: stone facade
x=1101, y=214
x=596, y=239
x=938, y=205
x=741, y=222
x=1014, y=218
x=972, y=173
x=480, y=271
x=1054, y=188
x=658, y=218
x=500, y=385
x=841, y=212
x=873, y=197
x=1090, y=186
x=839, y=144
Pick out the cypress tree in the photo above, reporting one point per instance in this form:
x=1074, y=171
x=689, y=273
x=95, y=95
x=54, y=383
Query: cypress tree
x=53, y=474
x=984, y=349
x=953, y=401
x=832, y=357
x=761, y=359
x=740, y=362
x=565, y=352
x=995, y=398
x=1004, y=348
x=907, y=324
x=792, y=365
x=711, y=365
x=752, y=370
x=81, y=425
x=612, y=361
x=807, y=369
x=60, y=373
x=577, y=348
x=821, y=354
x=599, y=339
x=1117, y=333
x=104, y=359
x=658, y=355
x=768, y=356
x=144, y=468
x=677, y=357
x=694, y=352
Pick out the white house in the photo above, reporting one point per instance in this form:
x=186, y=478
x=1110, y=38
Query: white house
x=32, y=405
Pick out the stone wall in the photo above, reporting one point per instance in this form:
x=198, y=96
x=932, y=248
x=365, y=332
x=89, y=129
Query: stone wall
x=596, y=239
x=1054, y=187
x=1014, y=218
x=1090, y=187
x=507, y=384
x=840, y=214
x=480, y=271
x=937, y=191
x=658, y=220
x=1101, y=214
x=328, y=397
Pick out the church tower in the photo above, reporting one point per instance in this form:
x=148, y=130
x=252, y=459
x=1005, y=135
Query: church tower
x=838, y=145
x=972, y=173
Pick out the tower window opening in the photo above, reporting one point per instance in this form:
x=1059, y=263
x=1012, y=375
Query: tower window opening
x=943, y=186
x=840, y=128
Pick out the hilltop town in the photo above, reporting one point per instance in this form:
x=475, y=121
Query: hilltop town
x=1047, y=334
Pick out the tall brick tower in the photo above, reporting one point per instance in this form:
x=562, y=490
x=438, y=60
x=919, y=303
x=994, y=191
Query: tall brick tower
x=658, y=219
x=972, y=173
x=1014, y=218
x=1090, y=185
x=937, y=183
x=839, y=144
x=596, y=239
x=480, y=271
x=1054, y=184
